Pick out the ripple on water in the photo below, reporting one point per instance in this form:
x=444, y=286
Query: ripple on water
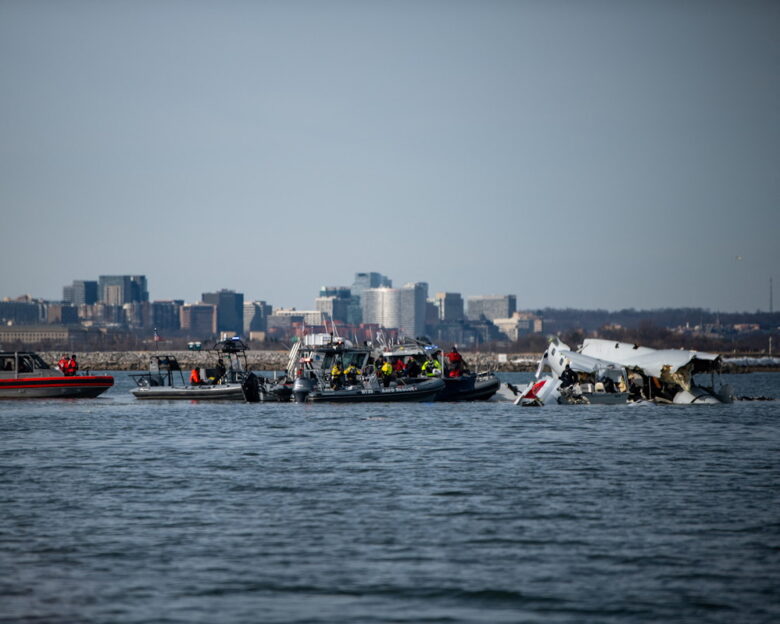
x=125, y=511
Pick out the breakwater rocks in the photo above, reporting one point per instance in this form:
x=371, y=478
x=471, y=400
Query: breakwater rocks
x=263, y=360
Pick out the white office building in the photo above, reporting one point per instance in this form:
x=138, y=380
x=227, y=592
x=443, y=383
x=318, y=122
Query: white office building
x=400, y=308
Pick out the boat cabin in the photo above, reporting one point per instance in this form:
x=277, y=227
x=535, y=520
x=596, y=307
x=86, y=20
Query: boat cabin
x=15, y=363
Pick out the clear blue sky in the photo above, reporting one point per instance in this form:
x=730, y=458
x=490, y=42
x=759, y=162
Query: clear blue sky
x=584, y=154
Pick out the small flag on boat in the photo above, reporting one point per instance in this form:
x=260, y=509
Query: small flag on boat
x=156, y=336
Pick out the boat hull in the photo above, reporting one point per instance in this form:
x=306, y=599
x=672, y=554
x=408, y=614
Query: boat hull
x=425, y=391
x=224, y=392
x=77, y=387
x=469, y=388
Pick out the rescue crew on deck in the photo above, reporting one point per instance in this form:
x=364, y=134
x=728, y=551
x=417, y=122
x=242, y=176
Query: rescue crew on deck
x=387, y=373
x=336, y=376
x=195, y=379
x=568, y=377
x=351, y=374
x=455, y=360
x=71, y=367
x=431, y=368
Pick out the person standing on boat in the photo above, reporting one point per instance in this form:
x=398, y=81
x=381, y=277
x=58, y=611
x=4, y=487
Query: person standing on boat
x=336, y=376
x=398, y=367
x=387, y=373
x=455, y=360
x=72, y=367
x=63, y=363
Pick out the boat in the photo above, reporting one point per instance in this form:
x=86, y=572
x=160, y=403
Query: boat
x=228, y=381
x=467, y=386
x=25, y=375
x=594, y=381
x=312, y=359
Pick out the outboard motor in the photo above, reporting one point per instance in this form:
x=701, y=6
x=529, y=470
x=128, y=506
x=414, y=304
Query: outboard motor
x=301, y=389
x=251, y=388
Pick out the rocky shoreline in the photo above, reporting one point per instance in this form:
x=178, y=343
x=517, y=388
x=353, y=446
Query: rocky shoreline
x=277, y=361
x=257, y=360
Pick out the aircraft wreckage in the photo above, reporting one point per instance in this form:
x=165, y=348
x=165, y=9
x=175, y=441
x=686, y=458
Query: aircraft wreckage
x=609, y=372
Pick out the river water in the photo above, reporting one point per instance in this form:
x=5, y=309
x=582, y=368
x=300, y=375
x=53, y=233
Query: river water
x=119, y=510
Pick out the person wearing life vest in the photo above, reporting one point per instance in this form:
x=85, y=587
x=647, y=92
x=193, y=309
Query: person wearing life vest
x=398, y=367
x=336, y=376
x=431, y=368
x=195, y=379
x=72, y=367
x=455, y=363
x=351, y=374
x=387, y=373
x=63, y=363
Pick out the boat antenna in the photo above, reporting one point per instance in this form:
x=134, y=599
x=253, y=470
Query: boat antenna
x=333, y=327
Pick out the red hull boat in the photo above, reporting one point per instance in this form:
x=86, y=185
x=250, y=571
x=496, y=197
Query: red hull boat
x=24, y=375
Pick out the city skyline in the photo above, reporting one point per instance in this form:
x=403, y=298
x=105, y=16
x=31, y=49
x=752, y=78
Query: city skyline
x=311, y=303
x=599, y=155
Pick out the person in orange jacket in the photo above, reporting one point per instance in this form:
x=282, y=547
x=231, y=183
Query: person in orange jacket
x=195, y=379
x=72, y=367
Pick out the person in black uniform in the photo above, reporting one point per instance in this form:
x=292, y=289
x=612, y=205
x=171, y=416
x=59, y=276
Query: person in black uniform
x=568, y=377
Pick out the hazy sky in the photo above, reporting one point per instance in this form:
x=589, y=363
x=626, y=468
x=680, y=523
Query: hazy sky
x=584, y=154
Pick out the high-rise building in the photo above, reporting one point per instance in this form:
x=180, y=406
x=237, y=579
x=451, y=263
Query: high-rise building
x=121, y=289
x=81, y=292
x=490, y=307
x=401, y=308
x=199, y=319
x=136, y=314
x=309, y=317
x=61, y=313
x=520, y=324
x=450, y=306
x=16, y=312
x=166, y=315
x=363, y=281
x=333, y=308
x=338, y=304
x=230, y=309
x=256, y=315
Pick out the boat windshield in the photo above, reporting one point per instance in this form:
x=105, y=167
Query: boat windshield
x=39, y=363
x=345, y=359
x=28, y=362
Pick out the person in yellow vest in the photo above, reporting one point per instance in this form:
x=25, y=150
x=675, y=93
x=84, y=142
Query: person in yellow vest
x=431, y=368
x=387, y=373
x=336, y=376
x=351, y=374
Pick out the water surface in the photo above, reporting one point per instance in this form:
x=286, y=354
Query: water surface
x=119, y=510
